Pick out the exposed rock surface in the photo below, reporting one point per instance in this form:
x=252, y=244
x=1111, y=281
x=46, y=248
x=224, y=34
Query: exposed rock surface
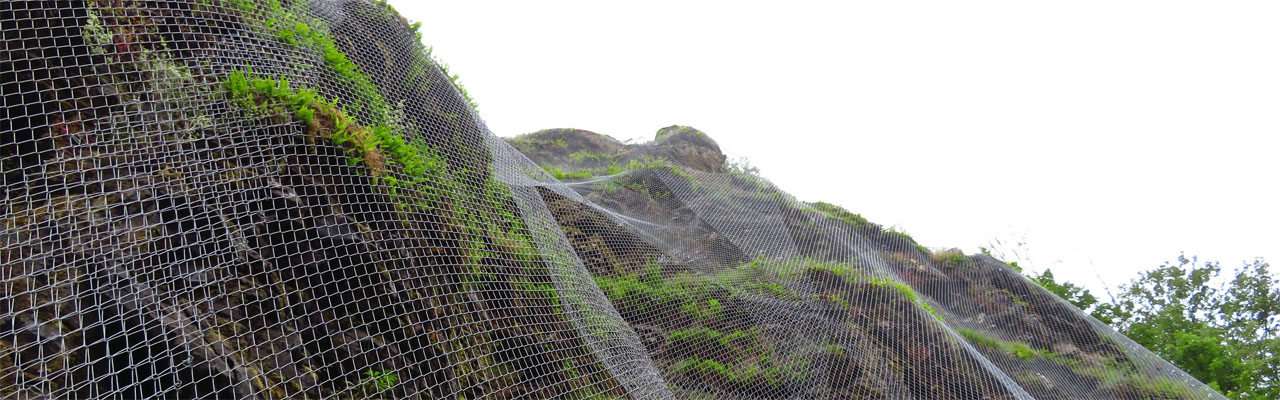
x=267, y=199
x=578, y=149
x=1034, y=340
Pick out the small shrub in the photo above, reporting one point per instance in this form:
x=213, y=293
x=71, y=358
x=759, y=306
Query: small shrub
x=375, y=383
x=951, y=258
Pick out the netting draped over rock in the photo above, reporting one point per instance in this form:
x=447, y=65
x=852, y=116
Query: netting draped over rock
x=291, y=199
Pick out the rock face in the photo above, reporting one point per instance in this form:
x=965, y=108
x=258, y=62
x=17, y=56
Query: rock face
x=888, y=317
x=169, y=233
x=268, y=199
x=576, y=149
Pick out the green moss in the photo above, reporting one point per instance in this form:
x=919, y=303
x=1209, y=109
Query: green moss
x=762, y=276
x=710, y=309
x=764, y=371
x=1017, y=349
x=832, y=211
x=1159, y=386
x=286, y=22
x=689, y=294
x=954, y=259
x=571, y=175
x=664, y=132
x=643, y=163
x=836, y=298
x=1111, y=373
x=835, y=349
x=710, y=341
x=1019, y=301
x=378, y=146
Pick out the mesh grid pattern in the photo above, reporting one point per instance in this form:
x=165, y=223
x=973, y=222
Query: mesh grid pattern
x=267, y=199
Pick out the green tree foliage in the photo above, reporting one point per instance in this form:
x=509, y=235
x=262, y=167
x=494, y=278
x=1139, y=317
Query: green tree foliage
x=1224, y=331
x=1077, y=295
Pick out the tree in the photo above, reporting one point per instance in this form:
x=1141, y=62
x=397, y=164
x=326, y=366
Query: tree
x=1076, y=295
x=1225, y=333
x=1223, y=330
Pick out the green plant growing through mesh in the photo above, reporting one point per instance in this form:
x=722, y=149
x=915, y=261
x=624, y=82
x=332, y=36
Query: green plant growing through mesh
x=1017, y=349
x=737, y=342
x=664, y=132
x=377, y=146
x=760, y=276
x=951, y=258
x=374, y=383
x=856, y=221
x=543, y=290
x=834, y=212
x=839, y=300
x=763, y=371
x=1110, y=373
x=693, y=296
x=710, y=309
x=562, y=175
x=285, y=22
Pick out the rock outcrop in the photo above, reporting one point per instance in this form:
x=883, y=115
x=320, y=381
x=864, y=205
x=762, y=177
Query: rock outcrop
x=269, y=199
x=884, y=299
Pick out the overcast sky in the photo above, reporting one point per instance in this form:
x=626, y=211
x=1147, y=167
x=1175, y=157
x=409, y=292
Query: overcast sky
x=1112, y=135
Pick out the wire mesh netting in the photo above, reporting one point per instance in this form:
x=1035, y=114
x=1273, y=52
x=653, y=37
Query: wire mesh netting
x=291, y=199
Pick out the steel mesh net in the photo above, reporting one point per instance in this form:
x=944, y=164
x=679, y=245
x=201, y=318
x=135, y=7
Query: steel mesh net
x=291, y=199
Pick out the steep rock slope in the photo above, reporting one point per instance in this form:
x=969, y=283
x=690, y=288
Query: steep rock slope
x=252, y=200
x=269, y=199
x=886, y=299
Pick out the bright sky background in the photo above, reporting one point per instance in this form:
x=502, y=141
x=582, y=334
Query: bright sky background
x=1112, y=135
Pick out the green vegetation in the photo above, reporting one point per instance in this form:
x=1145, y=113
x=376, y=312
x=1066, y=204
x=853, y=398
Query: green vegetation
x=741, y=167
x=712, y=341
x=286, y=23
x=571, y=175
x=764, y=371
x=1017, y=349
x=375, y=383
x=950, y=258
x=697, y=298
x=840, y=214
x=643, y=163
x=834, y=212
x=1226, y=335
x=380, y=144
x=1110, y=373
x=612, y=185
x=378, y=147
x=710, y=309
x=1076, y=295
x=1223, y=330
x=664, y=132
x=690, y=294
x=761, y=276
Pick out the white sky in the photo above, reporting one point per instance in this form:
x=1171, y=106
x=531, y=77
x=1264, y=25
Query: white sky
x=1111, y=134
